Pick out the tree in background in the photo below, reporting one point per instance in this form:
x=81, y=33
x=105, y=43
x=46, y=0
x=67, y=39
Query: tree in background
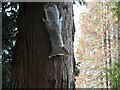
x=9, y=30
x=113, y=73
x=98, y=45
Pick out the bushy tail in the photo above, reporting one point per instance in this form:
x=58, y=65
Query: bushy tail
x=61, y=50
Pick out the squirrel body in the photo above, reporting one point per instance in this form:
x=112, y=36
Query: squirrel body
x=54, y=28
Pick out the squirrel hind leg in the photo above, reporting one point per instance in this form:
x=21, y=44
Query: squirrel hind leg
x=59, y=51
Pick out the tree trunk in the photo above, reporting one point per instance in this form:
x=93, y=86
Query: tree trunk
x=31, y=66
x=0, y=47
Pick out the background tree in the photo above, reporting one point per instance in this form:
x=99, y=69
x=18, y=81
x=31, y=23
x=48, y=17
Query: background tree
x=9, y=30
x=97, y=44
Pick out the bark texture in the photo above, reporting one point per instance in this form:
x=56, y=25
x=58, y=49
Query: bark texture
x=31, y=66
x=0, y=48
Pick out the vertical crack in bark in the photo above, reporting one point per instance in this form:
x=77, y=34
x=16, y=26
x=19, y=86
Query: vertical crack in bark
x=67, y=80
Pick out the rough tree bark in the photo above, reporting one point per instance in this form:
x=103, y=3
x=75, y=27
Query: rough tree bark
x=31, y=66
x=0, y=47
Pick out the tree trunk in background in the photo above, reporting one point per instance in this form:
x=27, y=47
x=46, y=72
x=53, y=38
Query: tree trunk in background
x=31, y=66
x=119, y=41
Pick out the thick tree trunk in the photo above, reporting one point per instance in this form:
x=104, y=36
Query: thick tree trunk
x=31, y=66
x=0, y=47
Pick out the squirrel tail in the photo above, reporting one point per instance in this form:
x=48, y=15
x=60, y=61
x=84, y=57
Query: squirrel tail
x=61, y=50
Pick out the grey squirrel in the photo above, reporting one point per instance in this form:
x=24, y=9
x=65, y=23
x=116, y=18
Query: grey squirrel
x=54, y=28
